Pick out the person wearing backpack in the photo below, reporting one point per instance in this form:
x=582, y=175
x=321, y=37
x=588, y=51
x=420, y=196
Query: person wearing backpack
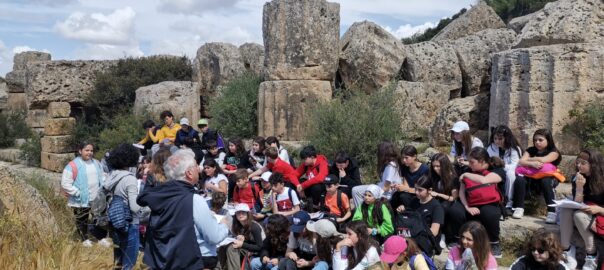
x=245, y=192
x=275, y=164
x=81, y=181
x=123, y=185
x=207, y=134
x=480, y=195
x=473, y=251
x=314, y=168
x=336, y=202
x=404, y=254
x=285, y=200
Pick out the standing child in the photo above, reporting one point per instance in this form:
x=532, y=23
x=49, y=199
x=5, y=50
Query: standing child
x=285, y=200
x=473, y=250
x=336, y=202
x=375, y=214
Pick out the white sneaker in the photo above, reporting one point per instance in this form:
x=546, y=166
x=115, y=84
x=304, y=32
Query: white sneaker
x=590, y=263
x=87, y=243
x=569, y=255
x=105, y=242
x=518, y=213
x=442, y=243
x=551, y=218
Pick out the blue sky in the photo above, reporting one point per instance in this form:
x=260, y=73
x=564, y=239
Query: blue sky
x=110, y=29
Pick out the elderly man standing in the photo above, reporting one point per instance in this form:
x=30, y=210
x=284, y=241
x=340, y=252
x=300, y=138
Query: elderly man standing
x=182, y=230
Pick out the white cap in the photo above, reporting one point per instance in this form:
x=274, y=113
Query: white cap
x=184, y=121
x=460, y=126
x=242, y=207
x=265, y=176
x=325, y=228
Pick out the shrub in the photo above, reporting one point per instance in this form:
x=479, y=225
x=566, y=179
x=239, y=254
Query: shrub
x=126, y=128
x=509, y=9
x=31, y=150
x=356, y=124
x=234, y=109
x=429, y=33
x=13, y=126
x=587, y=123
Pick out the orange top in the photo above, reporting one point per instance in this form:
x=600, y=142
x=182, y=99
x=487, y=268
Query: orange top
x=331, y=201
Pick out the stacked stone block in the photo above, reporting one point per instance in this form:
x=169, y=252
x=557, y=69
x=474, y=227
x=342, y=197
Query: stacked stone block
x=57, y=148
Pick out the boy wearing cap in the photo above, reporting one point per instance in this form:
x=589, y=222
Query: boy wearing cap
x=265, y=196
x=336, y=201
x=206, y=133
x=275, y=164
x=301, y=246
x=187, y=137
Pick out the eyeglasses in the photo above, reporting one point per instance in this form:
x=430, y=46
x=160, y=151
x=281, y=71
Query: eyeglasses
x=539, y=250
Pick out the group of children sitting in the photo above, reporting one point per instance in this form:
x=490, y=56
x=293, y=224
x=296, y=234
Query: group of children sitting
x=319, y=215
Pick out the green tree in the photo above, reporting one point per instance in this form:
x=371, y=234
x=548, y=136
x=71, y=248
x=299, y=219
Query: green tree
x=509, y=9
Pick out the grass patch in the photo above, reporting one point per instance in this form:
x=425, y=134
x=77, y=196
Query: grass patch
x=512, y=248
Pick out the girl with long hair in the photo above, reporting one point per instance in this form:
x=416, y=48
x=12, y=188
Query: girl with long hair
x=473, y=249
x=503, y=144
x=411, y=170
x=356, y=251
x=327, y=239
x=541, y=252
x=213, y=179
x=479, y=193
x=463, y=143
x=375, y=213
x=274, y=245
x=257, y=157
x=248, y=235
x=156, y=174
x=388, y=168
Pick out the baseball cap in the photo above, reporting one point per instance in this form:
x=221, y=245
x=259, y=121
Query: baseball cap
x=323, y=227
x=299, y=221
x=265, y=176
x=242, y=207
x=202, y=121
x=393, y=247
x=331, y=180
x=184, y=121
x=460, y=126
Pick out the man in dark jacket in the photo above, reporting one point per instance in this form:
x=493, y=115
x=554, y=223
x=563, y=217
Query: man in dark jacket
x=207, y=134
x=187, y=137
x=181, y=232
x=347, y=169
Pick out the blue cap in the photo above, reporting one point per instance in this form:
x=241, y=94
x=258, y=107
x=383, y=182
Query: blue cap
x=299, y=221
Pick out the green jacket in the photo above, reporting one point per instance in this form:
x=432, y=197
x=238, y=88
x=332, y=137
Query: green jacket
x=386, y=228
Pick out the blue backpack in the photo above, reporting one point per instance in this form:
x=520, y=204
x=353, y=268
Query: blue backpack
x=118, y=212
x=429, y=261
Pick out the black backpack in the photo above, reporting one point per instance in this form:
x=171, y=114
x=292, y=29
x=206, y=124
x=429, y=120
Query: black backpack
x=411, y=224
x=325, y=208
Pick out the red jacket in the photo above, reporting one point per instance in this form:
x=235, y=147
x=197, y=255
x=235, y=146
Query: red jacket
x=316, y=173
x=287, y=170
x=248, y=195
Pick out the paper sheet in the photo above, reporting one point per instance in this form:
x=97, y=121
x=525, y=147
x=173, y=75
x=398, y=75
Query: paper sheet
x=566, y=203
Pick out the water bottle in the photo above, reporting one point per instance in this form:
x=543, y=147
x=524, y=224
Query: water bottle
x=344, y=253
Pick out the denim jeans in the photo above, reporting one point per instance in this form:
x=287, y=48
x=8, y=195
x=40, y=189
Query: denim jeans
x=257, y=264
x=127, y=243
x=321, y=265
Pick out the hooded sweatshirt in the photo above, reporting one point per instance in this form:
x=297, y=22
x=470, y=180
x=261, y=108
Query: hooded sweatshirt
x=316, y=173
x=126, y=186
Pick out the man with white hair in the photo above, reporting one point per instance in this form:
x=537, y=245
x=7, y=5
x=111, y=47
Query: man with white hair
x=182, y=233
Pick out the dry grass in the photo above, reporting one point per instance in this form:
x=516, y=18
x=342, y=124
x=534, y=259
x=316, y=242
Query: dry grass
x=26, y=245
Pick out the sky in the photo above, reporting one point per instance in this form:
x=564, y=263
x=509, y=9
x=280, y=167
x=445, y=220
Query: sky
x=112, y=29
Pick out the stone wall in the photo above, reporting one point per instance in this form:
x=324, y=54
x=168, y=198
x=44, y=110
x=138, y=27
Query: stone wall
x=57, y=147
x=180, y=97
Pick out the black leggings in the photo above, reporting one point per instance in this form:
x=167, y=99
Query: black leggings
x=455, y=217
x=522, y=185
x=82, y=215
x=316, y=192
x=489, y=217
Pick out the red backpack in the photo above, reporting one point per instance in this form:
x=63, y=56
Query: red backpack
x=480, y=194
x=74, y=175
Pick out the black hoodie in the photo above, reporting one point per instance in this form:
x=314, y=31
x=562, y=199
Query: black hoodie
x=352, y=178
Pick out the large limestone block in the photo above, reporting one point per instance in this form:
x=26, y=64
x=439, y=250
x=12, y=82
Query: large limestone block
x=474, y=110
x=59, y=126
x=59, y=109
x=216, y=64
x=62, y=81
x=17, y=78
x=180, y=97
x=479, y=17
x=3, y=94
x=283, y=107
x=16, y=101
x=36, y=118
x=474, y=54
x=301, y=39
x=252, y=55
x=57, y=144
x=370, y=57
x=55, y=162
x=518, y=23
x=420, y=103
x=536, y=87
x=432, y=62
x=565, y=21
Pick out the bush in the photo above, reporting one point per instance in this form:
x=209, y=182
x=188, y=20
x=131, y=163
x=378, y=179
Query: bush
x=13, y=126
x=429, y=33
x=235, y=109
x=356, y=124
x=509, y=9
x=587, y=123
x=31, y=150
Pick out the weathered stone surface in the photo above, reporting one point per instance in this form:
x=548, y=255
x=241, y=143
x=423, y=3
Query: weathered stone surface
x=420, y=103
x=565, y=21
x=301, y=39
x=284, y=105
x=432, y=62
x=370, y=57
x=518, y=23
x=17, y=78
x=479, y=17
x=59, y=126
x=36, y=118
x=474, y=54
x=61, y=81
x=57, y=144
x=216, y=64
x=3, y=94
x=16, y=101
x=536, y=87
x=180, y=97
x=252, y=55
x=55, y=162
x=59, y=109
x=474, y=110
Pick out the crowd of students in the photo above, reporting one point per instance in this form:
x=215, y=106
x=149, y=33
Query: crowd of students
x=319, y=215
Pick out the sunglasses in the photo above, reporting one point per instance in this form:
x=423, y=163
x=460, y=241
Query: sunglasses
x=539, y=250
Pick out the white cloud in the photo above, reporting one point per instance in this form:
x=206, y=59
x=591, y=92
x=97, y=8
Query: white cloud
x=408, y=30
x=116, y=28
x=104, y=52
x=52, y=3
x=194, y=6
